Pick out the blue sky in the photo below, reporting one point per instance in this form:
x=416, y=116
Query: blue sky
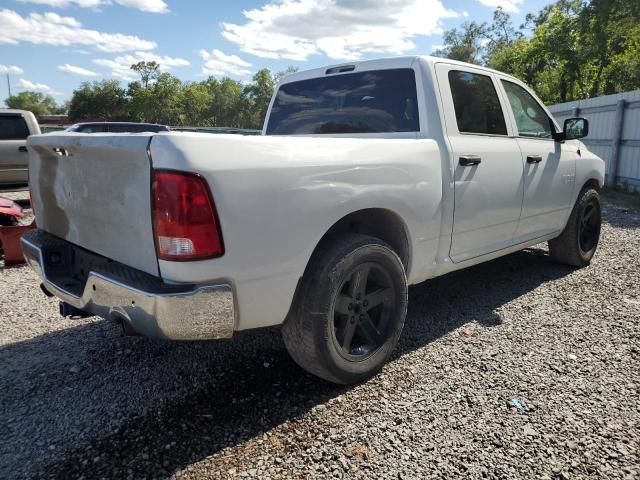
x=54, y=45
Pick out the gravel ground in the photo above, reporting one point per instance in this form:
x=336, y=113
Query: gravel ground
x=517, y=368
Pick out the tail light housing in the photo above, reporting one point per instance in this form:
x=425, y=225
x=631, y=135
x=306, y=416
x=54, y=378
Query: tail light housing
x=185, y=219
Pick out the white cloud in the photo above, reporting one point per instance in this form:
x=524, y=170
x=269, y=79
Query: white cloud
x=38, y=87
x=74, y=70
x=29, y=85
x=341, y=29
x=465, y=14
x=53, y=29
x=154, y=6
x=118, y=70
x=11, y=69
x=219, y=63
x=121, y=66
x=67, y=3
x=508, y=5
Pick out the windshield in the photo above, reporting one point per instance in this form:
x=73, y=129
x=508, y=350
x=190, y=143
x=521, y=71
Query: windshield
x=380, y=101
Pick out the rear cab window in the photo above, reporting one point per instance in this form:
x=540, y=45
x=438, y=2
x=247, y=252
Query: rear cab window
x=376, y=101
x=13, y=127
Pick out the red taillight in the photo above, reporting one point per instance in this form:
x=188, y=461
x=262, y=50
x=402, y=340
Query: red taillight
x=184, y=217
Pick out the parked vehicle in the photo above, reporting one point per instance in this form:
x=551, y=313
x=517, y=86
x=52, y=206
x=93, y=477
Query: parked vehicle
x=117, y=127
x=368, y=177
x=15, y=127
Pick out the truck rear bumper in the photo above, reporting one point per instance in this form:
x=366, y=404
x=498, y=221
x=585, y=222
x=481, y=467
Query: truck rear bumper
x=111, y=290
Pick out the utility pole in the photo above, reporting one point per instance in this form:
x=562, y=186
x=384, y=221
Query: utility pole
x=8, y=84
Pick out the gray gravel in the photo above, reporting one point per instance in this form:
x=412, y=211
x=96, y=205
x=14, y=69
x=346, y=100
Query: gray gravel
x=518, y=368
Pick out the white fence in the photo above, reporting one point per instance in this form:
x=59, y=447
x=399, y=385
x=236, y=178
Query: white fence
x=614, y=133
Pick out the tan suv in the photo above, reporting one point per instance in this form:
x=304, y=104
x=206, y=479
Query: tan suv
x=15, y=127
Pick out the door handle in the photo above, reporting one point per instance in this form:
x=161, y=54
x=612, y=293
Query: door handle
x=469, y=160
x=534, y=158
x=22, y=149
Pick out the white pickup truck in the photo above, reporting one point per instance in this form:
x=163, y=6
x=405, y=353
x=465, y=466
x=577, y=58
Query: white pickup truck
x=15, y=127
x=368, y=177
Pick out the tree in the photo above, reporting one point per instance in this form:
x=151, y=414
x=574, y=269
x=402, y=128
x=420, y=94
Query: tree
x=228, y=105
x=500, y=34
x=465, y=44
x=148, y=71
x=104, y=100
x=575, y=49
x=194, y=104
x=476, y=42
x=36, y=102
x=159, y=102
x=260, y=91
x=280, y=75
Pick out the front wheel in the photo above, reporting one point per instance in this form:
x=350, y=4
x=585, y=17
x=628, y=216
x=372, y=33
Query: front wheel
x=578, y=242
x=349, y=311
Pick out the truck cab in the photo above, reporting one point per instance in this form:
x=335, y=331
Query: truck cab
x=15, y=127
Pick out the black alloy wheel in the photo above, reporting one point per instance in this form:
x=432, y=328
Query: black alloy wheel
x=362, y=311
x=349, y=309
x=589, y=230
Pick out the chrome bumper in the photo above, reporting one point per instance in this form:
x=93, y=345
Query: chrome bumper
x=114, y=291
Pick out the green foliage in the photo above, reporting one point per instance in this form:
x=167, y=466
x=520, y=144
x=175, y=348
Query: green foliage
x=466, y=44
x=104, y=100
x=159, y=102
x=569, y=50
x=162, y=98
x=474, y=42
x=38, y=103
x=148, y=71
x=259, y=92
x=574, y=50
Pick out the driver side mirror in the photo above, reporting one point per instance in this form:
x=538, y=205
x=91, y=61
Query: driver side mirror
x=575, y=128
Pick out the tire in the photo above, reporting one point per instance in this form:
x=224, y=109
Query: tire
x=578, y=242
x=334, y=330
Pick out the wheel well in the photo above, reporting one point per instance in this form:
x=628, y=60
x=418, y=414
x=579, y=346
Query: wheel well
x=592, y=183
x=377, y=222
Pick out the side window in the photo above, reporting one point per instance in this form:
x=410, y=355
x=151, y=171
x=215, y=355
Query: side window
x=476, y=104
x=13, y=127
x=531, y=119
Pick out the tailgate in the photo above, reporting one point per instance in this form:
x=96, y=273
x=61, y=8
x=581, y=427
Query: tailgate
x=95, y=191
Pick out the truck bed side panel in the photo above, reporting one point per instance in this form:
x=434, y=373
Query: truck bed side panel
x=277, y=196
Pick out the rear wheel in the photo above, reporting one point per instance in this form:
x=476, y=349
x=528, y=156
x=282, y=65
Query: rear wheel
x=578, y=242
x=349, y=311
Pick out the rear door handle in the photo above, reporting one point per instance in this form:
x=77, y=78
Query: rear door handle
x=534, y=158
x=22, y=149
x=469, y=160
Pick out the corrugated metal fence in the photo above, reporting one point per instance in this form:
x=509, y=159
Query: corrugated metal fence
x=614, y=133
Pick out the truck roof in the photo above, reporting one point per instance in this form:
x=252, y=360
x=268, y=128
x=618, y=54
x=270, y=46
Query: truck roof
x=14, y=111
x=381, y=63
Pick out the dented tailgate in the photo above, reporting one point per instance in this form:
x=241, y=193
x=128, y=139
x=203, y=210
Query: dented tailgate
x=94, y=191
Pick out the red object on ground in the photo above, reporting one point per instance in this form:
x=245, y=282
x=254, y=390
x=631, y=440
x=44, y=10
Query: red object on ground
x=11, y=208
x=10, y=242
x=10, y=235
x=466, y=332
